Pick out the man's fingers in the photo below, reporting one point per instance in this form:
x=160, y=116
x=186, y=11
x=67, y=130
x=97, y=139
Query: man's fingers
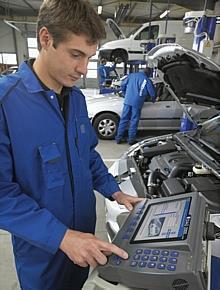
x=89, y=250
x=100, y=257
x=140, y=199
x=92, y=262
x=136, y=199
x=131, y=201
x=129, y=206
x=82, y=264
x=119, y=252
x=114, y=249
x=107, y=253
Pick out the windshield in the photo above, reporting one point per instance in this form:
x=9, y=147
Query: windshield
x=133, y=31
x=209, y=134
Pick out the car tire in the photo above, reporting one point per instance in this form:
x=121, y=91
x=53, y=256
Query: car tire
x=106, y=126
x=119, y=56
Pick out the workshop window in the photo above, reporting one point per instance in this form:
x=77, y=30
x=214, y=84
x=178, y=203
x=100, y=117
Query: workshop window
x=92, y=69
x=8, y=58
x=32, y=47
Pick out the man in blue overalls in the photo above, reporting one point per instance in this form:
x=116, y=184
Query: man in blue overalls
x=104, y=71
x=136, y=87
x=49, y=166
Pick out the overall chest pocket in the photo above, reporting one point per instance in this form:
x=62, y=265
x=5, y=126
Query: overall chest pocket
x=51, y=165
x=84, y=137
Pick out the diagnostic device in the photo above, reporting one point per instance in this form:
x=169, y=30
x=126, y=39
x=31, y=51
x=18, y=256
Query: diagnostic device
x=166, y=244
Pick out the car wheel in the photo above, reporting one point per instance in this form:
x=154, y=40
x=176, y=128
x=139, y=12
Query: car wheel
x=119, y=56
x=106, y=126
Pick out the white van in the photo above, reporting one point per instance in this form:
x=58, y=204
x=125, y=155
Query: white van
x=132, y=46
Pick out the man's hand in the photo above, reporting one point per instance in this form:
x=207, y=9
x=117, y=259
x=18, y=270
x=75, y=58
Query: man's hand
x=127, y=200
x=86, y=250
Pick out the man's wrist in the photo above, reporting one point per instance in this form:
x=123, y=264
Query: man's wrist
x=64, y=240
x=115, y=195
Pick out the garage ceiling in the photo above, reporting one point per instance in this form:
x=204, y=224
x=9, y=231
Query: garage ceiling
x=125, y=12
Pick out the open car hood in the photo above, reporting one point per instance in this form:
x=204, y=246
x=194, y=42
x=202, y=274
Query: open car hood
x=188, y=75
x=115, y=28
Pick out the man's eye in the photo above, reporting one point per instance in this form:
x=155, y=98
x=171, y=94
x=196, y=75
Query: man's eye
x=75, y=55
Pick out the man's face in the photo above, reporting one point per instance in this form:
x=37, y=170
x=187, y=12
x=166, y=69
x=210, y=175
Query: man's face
x=66, y=63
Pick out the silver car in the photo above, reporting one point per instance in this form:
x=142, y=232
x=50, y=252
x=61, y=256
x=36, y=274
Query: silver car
x=165, y=114
x=10, y=70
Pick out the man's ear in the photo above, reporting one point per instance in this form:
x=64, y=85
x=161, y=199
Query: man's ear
x=45, y=38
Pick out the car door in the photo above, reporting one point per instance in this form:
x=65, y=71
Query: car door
x=144, y=36
x=161, y=115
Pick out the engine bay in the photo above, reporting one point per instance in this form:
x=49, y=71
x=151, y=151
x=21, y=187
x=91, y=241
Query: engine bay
x=167, y=168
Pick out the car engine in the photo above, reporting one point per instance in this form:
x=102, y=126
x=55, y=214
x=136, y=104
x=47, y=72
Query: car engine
x=168, y=167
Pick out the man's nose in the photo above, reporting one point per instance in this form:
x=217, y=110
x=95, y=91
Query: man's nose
x=82, y=67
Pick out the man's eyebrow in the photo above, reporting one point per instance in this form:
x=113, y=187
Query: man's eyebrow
x=81, y=52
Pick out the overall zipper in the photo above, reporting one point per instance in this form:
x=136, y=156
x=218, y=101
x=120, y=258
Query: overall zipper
x=76, y=138
x=69, y=165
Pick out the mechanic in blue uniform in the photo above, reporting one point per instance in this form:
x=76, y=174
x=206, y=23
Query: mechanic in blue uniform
x=104, y=71
x=135, y=87
x=49, y=166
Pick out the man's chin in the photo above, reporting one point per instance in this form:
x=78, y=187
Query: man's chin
x=69, y=84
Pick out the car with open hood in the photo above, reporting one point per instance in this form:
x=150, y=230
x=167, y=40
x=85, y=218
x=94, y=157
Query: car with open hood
x=179, y=163
x=104, y=111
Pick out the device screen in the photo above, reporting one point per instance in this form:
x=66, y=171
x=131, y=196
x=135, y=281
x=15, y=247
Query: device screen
x=164, y=221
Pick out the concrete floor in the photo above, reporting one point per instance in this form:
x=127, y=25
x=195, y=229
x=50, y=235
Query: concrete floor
x=8, y=279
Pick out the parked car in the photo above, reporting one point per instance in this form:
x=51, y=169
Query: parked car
x=177, y=163
x=10, y=70
x=165, y=114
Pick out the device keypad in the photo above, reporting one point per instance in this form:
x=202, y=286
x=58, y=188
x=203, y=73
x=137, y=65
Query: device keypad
x=161, y=266
x=152, y=259
x=163, y=259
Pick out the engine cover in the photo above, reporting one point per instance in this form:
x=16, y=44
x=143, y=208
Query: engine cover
x=169, y=162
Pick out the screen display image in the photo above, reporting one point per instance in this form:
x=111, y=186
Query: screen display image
x=164, y=221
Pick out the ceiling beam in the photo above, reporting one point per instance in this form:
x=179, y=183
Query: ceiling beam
x=30, y=6
x=121, y=12
x=132, y=7
x=19, y=18
x=189, y=4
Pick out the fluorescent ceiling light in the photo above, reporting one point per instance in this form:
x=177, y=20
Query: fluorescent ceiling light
x=12, y=25
x=164, y=13
x=100, y=9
